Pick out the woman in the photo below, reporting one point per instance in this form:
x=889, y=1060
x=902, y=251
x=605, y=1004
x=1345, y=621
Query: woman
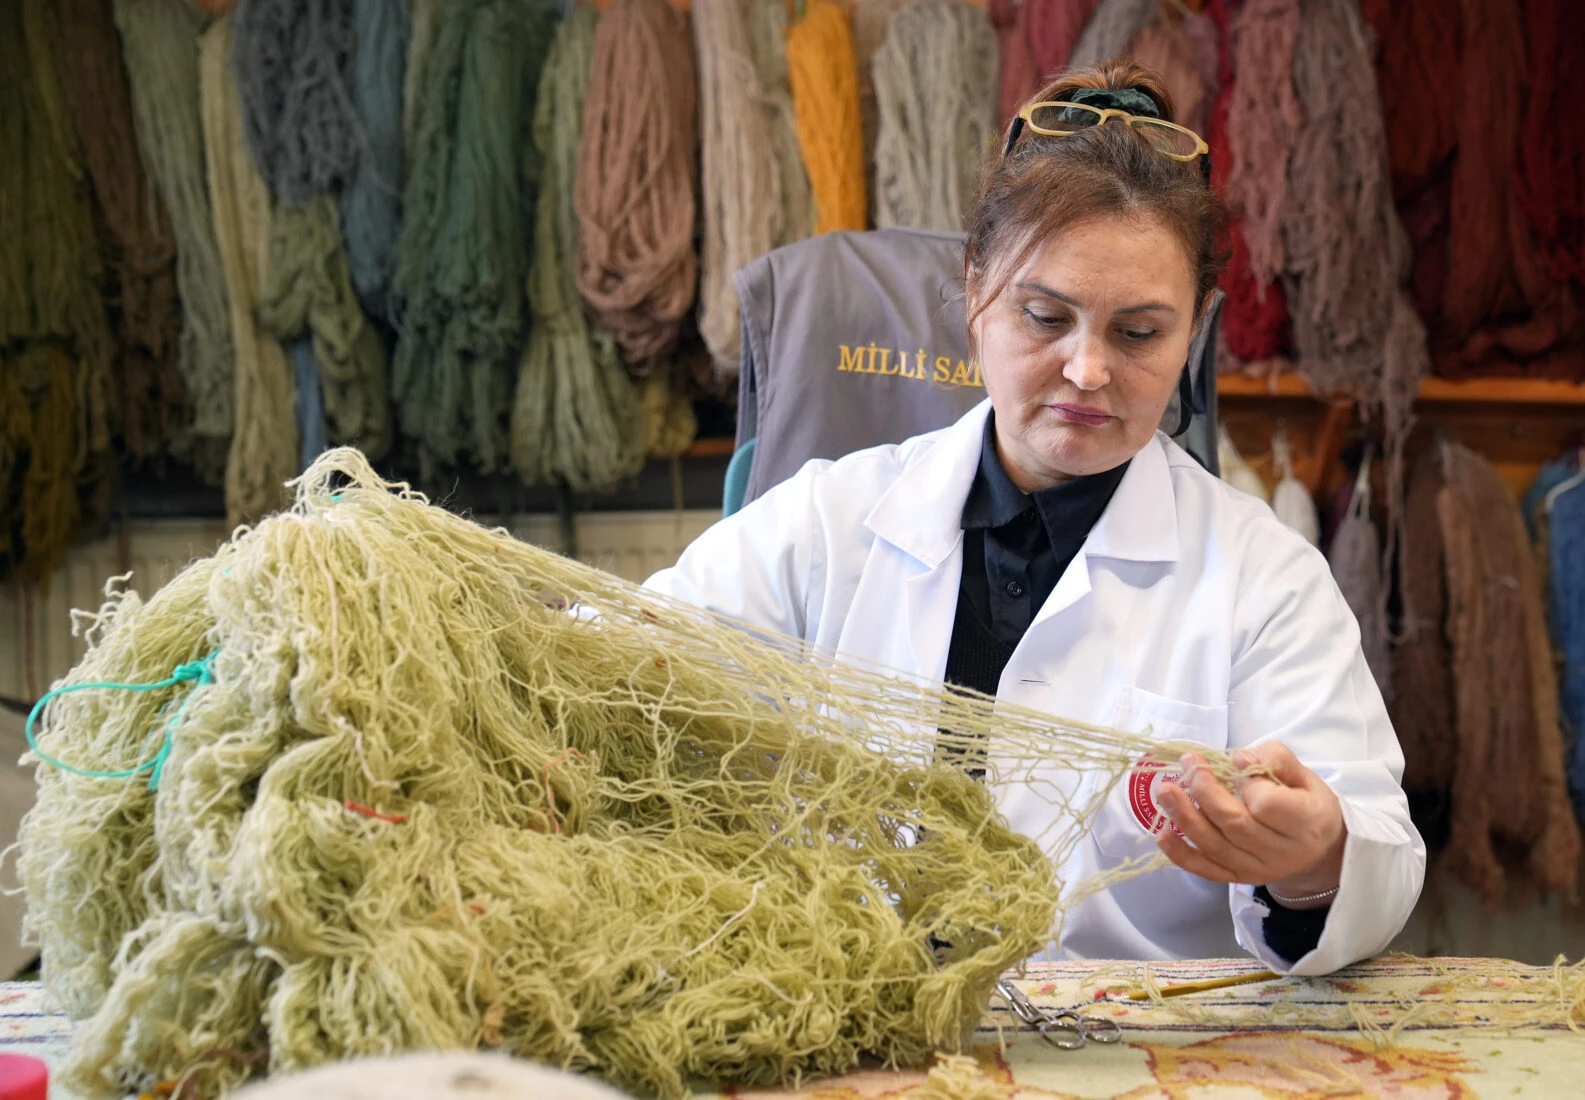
x=1055, y=549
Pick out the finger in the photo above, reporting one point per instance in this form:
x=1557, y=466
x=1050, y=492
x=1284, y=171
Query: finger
x=1192, y=859
x=1225, y=810
x=1204, y=834
x=1283, y=765
x=1236, y=821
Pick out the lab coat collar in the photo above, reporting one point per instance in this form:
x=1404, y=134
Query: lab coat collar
x=1141, y=522
x=921, y=514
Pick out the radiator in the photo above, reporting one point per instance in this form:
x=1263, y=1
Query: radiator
x=37, y=647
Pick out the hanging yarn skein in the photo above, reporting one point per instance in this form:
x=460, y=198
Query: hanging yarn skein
x=1480, y=277
x=1254, y=326
x=1355, y=558
x=1111, y=30
x=462, y=262
x=1036, y=39
x=39, y=458
x=740, y=180
x=576, y=415
x=54, y=335
x=1550, y=178
x=1422, y=707
x=291, y=59
x=1235, y=471
x=264, y=451
x=1346, y=253
x=1263, y=120
x=423, y=16
x=1182, y=48
x=637, y=162
x=670, y=424
x=1292, y=502
x=310, y=290
x=138, y=248
x=935, y=89
x=869, y=19
x=371, y=204
x=159, y=40
x=822, y=69
x=1509, y=779
x=1567, y=581
x=767, y=24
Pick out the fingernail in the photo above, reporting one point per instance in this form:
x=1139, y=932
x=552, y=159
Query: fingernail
x=1242, y=759
x=1186, y=760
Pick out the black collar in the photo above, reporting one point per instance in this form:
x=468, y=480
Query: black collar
x=994, y=501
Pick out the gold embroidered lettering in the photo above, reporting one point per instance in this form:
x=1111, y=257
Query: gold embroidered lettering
x=943, y=373
x=852, y=358
x=960, y=376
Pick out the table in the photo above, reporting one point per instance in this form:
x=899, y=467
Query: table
x=1295, y=1039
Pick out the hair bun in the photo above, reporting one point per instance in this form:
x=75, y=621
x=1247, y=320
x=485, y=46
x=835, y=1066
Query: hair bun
x=1136, y=101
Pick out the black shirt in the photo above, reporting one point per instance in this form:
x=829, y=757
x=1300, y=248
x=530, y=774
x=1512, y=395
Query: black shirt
x=1016, y=547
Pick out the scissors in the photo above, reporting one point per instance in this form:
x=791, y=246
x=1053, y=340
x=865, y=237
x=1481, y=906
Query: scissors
x=1067, y=1029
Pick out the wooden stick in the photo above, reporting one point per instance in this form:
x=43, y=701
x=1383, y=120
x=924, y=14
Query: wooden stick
x=1201, y=987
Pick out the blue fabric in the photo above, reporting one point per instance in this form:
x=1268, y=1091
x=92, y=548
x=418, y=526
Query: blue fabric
x=312, y=433
x=737, y=478
x=1567, y=583
x=1551, y=476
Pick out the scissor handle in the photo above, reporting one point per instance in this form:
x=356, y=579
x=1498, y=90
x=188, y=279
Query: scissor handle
x=1068, y=1034
x=1096, y=1029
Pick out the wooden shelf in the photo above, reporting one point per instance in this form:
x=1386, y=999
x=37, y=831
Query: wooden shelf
x=711, y=447
x=1509, y=391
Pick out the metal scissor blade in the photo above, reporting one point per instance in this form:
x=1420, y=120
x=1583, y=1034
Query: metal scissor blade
x=1021, y=1005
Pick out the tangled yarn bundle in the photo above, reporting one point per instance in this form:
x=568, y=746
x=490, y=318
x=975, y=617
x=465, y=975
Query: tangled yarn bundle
x=432, y=788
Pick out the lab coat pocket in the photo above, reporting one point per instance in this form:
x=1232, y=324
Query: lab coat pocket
x=1123, y=828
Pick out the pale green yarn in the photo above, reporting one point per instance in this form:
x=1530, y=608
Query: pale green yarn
x=576, y=418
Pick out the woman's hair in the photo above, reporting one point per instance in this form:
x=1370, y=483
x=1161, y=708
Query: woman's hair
x=1045, y=184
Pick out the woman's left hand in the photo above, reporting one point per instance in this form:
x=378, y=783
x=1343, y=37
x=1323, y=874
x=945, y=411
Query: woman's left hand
x=1287, y=835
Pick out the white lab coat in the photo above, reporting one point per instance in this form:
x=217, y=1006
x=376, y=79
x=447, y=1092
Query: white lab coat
x=1190, y=610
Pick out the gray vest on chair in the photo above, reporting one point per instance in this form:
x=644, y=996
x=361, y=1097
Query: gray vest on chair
x=854, y=339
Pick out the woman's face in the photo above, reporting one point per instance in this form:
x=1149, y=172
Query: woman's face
x=1082, y=350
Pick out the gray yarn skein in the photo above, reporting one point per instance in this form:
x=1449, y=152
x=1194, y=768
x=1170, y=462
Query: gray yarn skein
x=292, y=60
x=371, y=205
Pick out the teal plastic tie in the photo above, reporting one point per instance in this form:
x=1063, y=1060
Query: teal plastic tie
x=198, y=673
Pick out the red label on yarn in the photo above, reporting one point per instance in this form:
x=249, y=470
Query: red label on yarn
x=1142, y=786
